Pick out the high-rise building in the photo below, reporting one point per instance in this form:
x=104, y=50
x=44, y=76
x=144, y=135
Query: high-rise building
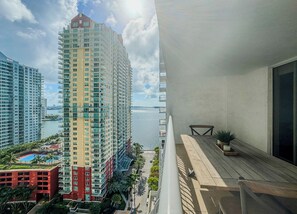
x=20, y=100
x=95, y=75
x=43, y=108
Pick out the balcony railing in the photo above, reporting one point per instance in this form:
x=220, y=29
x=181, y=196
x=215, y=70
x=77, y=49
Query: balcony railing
x=169, y=201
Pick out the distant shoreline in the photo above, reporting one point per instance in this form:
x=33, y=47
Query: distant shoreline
x=132, y=107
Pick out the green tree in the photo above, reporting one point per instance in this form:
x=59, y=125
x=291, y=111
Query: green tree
x=6, y=194
x=25, y=193
x=116, y=200
x=95, y=208
x=118, y=184
x=155, y=169
x=132, y=179
x=139, y=163
x=157, y=150
x=153, y=183
x=49, y=156
x=137, y=150
x=37, y=159
x=10, y=158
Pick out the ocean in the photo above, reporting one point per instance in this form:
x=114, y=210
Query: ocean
x=145, y=126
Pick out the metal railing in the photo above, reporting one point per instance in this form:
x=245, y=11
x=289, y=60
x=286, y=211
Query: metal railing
x=170, y=198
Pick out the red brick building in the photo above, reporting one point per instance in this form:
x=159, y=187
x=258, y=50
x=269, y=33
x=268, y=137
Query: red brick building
x=45, y=181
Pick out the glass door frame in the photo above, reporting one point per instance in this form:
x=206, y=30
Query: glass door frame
x=272, y=113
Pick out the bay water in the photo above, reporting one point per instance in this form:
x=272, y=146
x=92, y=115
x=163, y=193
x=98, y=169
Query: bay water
x=145, y=126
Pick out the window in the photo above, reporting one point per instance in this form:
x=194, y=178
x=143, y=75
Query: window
x=74, y=24
x=86, y=24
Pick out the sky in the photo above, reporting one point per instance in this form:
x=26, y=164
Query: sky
x=29, y=35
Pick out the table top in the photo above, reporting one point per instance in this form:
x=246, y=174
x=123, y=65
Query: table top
x=214, y=170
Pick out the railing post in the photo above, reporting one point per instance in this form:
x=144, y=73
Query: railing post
x=170, y=198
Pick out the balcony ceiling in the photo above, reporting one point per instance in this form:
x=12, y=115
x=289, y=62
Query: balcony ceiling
x=229, y=36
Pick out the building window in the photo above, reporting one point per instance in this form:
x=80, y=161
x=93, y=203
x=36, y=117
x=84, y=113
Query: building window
x=74, y=24
x=86, y=24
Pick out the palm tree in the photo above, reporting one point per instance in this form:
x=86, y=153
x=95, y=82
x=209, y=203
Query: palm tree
x=137, y=149
x=5, y=196
x=25, y=194
x=118, y=183
x=49, y=156
x=16, y=196
x=139, y=163
x=37, y=159
x=10, y=158
x=116, y=200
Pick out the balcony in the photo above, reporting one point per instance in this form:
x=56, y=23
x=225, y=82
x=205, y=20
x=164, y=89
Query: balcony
x=216, y=175
x=162, y=87
x=162, y=98
x=226, y=69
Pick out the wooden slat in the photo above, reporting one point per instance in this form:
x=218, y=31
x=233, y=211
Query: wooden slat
x=216, y=171
x=261, y=156
x=201, y=171
x=268, y=171
x=229, y=160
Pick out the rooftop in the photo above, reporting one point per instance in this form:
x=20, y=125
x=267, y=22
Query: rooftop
x=25, y=167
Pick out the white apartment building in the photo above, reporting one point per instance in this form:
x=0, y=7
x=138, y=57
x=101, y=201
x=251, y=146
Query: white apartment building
x=20, y=95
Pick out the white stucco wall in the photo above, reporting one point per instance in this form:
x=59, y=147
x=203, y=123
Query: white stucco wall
x=247, y=103
x=196, y=99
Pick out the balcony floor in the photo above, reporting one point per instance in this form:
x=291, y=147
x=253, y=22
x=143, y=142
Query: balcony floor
x=195, y=199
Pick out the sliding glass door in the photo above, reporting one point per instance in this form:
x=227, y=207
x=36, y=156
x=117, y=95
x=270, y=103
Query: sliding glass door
x=284, y=112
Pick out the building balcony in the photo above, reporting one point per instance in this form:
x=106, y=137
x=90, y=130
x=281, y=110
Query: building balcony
x=235, y=73
x=216, y=175
x=162, y=98
x=162, y=87
x=162, y=110
x=162, y=77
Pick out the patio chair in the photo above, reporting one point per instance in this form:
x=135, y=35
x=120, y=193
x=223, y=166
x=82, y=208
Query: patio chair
x=261, y=197
x=209, y=129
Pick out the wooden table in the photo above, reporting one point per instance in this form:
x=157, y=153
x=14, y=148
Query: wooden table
x=214, y=170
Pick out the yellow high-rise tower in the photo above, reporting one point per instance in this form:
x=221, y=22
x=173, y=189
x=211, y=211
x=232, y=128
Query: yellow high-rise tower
x=95, y=75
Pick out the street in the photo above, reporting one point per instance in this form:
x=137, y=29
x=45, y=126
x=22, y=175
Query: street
x=141, y=189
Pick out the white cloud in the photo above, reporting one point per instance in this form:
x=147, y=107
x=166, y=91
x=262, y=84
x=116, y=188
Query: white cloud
x=85, y=2
x=97, y=1
x=31, y=33
x=54, y=17
x=111, y=20
x=61, y=14
x=15, y=10
x=142, y=43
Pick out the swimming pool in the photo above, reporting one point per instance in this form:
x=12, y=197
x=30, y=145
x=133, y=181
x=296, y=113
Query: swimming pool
x=30, y=157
